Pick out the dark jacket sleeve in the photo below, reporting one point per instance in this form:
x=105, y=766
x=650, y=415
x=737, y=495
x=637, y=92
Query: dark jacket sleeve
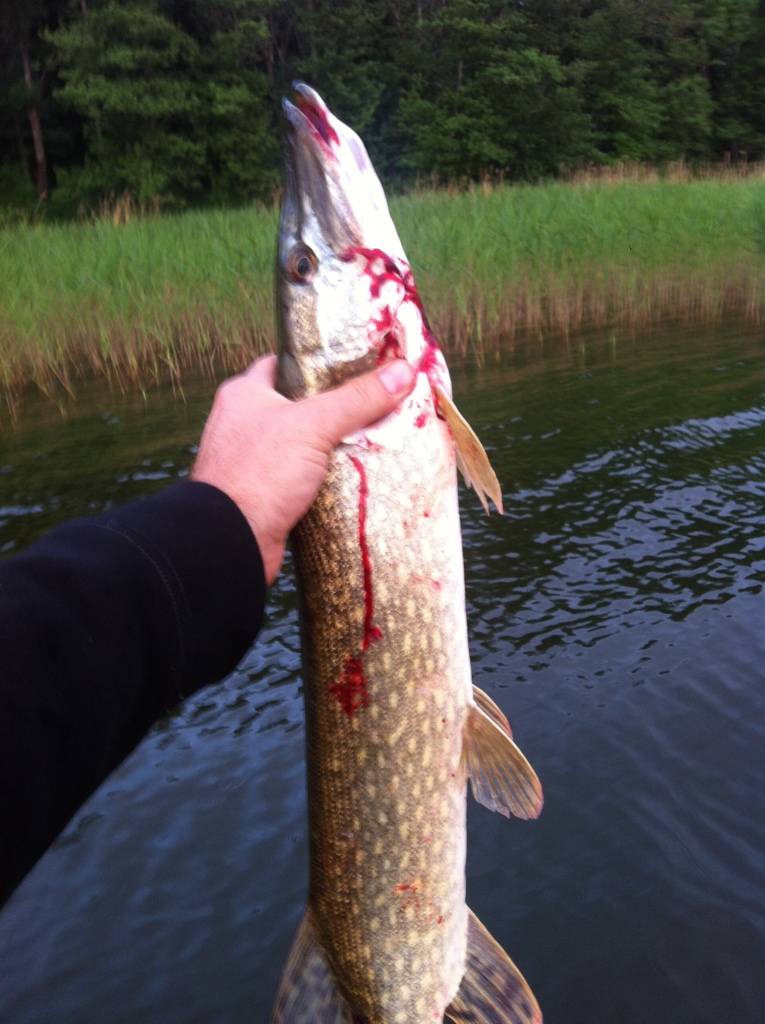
x=106, y=624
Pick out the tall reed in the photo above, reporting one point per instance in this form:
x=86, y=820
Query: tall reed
x=143, y=298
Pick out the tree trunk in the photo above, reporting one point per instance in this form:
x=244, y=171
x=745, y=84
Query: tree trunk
x=34, y=120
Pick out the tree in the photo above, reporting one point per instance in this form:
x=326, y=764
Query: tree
x=166, y=115
x=488, y=99
x=20, y=24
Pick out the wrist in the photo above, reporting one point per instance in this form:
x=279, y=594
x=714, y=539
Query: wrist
x=271, y=554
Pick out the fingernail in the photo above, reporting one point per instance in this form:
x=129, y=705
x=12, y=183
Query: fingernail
x=396, y=376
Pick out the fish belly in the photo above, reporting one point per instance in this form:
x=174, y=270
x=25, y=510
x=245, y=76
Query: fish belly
x=387, y=678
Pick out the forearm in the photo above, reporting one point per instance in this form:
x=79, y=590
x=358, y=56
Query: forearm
x=105, y=625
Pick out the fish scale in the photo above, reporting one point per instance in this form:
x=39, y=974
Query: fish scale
x=394, y=839
x=394, y=726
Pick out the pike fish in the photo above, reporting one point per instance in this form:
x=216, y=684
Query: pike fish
x=394, y=726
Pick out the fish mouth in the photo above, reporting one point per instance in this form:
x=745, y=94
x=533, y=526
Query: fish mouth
x=331, y=186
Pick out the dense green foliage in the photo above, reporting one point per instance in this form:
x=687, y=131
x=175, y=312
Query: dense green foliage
x=179, y=99
x=155, y=296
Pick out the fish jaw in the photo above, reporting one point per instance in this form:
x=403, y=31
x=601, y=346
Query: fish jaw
x=359, y=306
x=336, y=177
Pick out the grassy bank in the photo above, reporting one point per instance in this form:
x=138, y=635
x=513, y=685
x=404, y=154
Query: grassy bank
x=143, y=300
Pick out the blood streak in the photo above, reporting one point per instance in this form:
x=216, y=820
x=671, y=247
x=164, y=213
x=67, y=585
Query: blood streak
x=371, y=632
x=390, y=349
x=389, y=273
x=351, y=688
x=319, y=121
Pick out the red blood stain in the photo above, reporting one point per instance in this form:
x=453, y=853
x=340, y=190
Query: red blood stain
x=351, y=688
x=429, y=361
x=429, y=364
x=425, y=581
x=386, y=321
x=371, y=632
x=377, y=279
x=426, y=514
x=390, y=349
x=402, y=888
x=393, y=272
x=319, y=121
x=421, y=420
x=440, y=919
x=414, y=296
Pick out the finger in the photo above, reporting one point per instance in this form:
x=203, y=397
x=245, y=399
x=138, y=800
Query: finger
x=263, y=370
x=359, y=402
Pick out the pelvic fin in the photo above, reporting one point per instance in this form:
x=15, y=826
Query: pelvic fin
x=501, y=777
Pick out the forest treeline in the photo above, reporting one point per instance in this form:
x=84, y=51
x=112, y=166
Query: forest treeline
x=178, y=101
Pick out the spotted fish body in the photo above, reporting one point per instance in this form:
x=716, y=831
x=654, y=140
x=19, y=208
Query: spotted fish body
x=394, y=725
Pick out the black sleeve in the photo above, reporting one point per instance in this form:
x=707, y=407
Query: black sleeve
x=106, y=624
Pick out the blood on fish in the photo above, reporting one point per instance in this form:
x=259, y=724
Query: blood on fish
x=319, y=121
x=390, y=349
x=421, y=420
x=414, y=296
x=371, y=632
x=390, y=273
x=386, y=321
x=429, y=359
x=351, y=689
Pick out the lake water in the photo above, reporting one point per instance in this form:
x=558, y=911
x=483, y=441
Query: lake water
x=616, y=613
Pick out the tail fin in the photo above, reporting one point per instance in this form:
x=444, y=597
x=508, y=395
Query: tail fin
x=307, y=993
x=493, y=990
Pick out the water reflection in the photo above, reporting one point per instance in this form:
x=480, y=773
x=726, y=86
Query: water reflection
x=615, y=613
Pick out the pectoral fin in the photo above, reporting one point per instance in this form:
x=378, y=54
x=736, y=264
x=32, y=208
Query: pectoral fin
x=501, y=777
x=493, y=990
x=307, y=993
x=472, y=460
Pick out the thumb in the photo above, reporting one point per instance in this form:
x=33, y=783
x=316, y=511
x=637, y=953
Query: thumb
x=360, y=401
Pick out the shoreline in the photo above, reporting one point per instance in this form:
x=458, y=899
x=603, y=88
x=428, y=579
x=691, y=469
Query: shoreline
x=157, y=298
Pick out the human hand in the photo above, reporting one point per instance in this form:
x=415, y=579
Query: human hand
x=270, y=455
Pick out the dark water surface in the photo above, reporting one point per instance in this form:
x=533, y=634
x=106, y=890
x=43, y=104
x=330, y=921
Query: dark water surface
x=616, y=614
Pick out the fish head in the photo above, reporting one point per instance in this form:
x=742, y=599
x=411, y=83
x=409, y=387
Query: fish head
x=346, y=299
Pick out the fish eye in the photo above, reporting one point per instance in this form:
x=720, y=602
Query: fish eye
x=301, y=265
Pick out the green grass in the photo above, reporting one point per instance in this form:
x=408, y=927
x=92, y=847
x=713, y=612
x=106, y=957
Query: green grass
x=146, y=299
